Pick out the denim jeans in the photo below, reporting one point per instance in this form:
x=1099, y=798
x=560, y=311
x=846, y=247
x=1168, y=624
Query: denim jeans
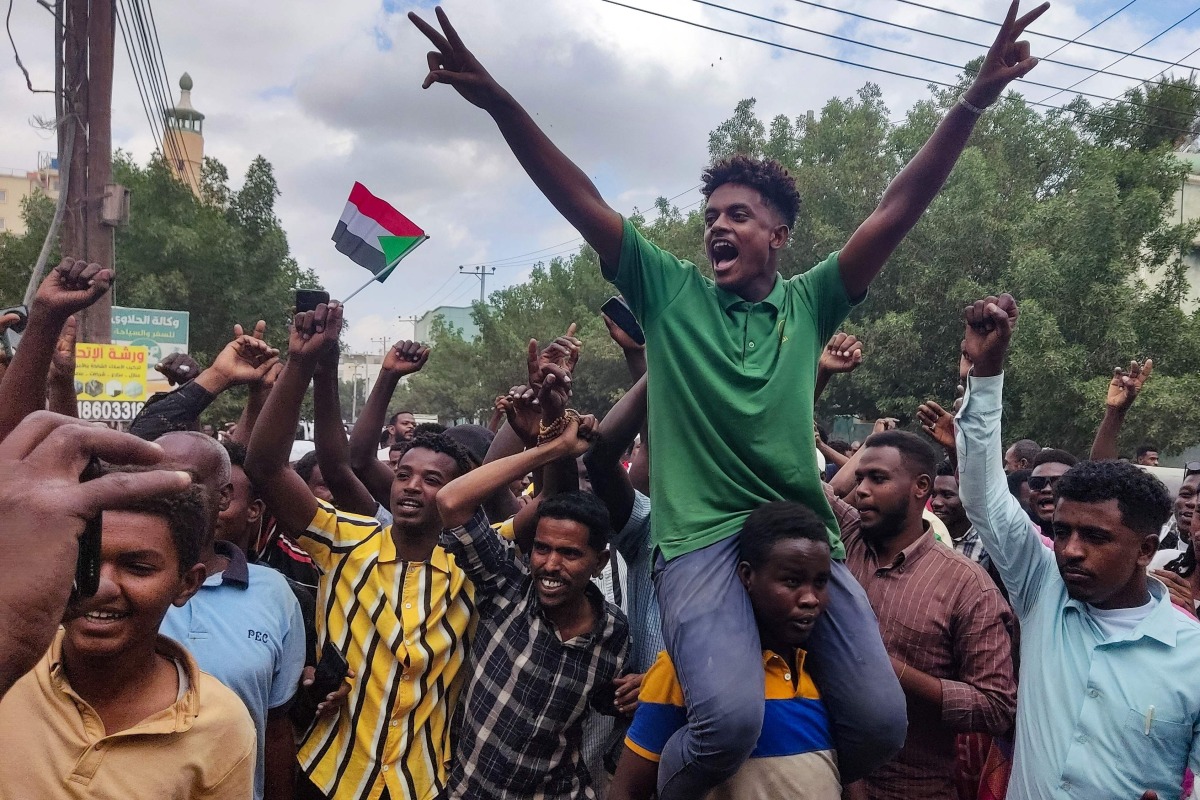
x=710, y=633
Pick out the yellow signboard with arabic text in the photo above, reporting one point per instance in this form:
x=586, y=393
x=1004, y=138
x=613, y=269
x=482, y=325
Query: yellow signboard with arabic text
x=110, y=381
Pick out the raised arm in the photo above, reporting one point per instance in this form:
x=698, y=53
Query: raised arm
x=69, y=288
x=244, y=360
x=911, y=192
x=1005, y=529
x=461, y=498
x=60, y=386
x=565, y=185
x=284, y=491
x=1123, y=389
x=403, y=358
x=610, y=481
x=842, y=353
x=333, y=453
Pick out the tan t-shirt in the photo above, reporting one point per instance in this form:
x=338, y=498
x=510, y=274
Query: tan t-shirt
x=54, y=746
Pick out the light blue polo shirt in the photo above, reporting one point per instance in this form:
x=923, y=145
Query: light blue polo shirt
x=1099, y=717
x=244, y=628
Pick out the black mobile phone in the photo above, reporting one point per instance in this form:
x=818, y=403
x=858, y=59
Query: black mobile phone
x=87, y=564
x=309, y=299
x=12, y=335
x=618, y=311
x=331, y=671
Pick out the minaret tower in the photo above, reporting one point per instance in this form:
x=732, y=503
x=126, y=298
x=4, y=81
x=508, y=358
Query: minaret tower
x=185, y=134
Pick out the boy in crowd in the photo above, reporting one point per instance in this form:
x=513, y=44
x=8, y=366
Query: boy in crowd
x=115, y=710
x=784, y=564
x=729, y=356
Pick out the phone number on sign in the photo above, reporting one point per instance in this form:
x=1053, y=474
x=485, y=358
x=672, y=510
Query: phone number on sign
x=109, y=410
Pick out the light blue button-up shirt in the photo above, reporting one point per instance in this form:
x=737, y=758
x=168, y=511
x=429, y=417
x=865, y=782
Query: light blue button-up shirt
x=1097, y=718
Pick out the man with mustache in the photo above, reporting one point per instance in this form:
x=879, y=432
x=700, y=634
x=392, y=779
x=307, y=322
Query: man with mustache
x=1108, y=707
x=943, y=621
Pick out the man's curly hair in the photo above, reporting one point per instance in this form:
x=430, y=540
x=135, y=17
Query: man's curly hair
x=441, y=443
x=769, y=177
x=1144, y=502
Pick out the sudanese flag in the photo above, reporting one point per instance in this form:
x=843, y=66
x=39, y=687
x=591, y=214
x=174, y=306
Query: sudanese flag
x=373, y=234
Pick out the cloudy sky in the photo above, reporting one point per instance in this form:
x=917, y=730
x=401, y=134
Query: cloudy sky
x=330, y=93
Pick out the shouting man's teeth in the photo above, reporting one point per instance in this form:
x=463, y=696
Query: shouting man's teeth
x=552, y=583
x=723, y=251
x=105, y=616
x=408, y=504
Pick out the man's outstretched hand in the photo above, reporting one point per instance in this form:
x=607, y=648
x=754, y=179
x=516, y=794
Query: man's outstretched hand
x=989, y=328
x=454, y=65
x=1007, y=60
x=1126, y=385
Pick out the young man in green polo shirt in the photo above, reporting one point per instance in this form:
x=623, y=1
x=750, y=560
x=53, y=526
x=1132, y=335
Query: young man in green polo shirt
x=733, y=363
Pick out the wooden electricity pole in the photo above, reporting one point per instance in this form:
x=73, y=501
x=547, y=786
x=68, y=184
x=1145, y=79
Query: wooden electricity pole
x=87, y=84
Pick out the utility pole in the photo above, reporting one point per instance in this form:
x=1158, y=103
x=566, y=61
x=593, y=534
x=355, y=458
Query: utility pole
x=481, y=273
x=87, y=84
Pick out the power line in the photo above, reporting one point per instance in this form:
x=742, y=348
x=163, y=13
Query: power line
x=1076, y=39
x=927, y=59
x=195, y=179
x=847, y=62
x=1032, y=32
x=1122, y=58
x=949, y=38
x=138, y=79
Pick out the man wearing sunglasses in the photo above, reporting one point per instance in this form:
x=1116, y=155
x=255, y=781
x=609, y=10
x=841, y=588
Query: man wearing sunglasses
x=1048, y=467
x=1107, y=707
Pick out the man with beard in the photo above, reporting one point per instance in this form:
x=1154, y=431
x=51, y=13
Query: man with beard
x=1108, y=706
x=943, y=621
x=1048, y=467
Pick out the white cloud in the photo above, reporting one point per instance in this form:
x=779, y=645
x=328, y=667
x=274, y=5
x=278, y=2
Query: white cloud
x=630, y=97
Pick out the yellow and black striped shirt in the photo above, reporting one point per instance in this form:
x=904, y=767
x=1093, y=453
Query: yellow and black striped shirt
x=403, y=627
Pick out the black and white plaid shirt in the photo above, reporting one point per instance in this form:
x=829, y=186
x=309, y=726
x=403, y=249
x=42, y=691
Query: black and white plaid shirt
x=522, y=715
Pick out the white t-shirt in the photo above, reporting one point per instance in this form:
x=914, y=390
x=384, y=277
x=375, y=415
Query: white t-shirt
x=1115, y=622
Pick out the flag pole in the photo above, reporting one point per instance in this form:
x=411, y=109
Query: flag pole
x=385, y=271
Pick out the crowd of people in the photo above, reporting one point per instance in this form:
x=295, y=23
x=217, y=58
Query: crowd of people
x=550, y=607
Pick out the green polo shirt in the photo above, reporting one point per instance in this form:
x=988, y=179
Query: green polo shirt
x=730, y=392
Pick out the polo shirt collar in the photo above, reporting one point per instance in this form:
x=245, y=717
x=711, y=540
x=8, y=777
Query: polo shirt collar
x=1162, y=624
x=177, y=718
x=774, y=299
x=237, y=573
x=439, y=559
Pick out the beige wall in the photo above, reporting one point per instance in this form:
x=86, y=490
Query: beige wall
x=191, y=147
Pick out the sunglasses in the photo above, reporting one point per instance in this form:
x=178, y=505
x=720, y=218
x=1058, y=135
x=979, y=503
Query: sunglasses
x=1039, y=483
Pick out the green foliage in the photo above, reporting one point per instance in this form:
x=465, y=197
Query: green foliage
x=223, y=257
x=1070, y=211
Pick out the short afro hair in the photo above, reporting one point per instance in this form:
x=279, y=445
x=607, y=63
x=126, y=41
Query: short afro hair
x=1143, y=500
x=441, y=443
x=1025, y=450
x=429, y=427
x=772, y=523
x=1053, y=456
x=917, y=453
x=1146, y=448
x=769, y=177
x=584, y=508
x=305, y=465
x=185, y=512
x=946, y=469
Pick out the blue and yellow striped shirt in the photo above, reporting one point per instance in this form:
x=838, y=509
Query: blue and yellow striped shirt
x=794, y=756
